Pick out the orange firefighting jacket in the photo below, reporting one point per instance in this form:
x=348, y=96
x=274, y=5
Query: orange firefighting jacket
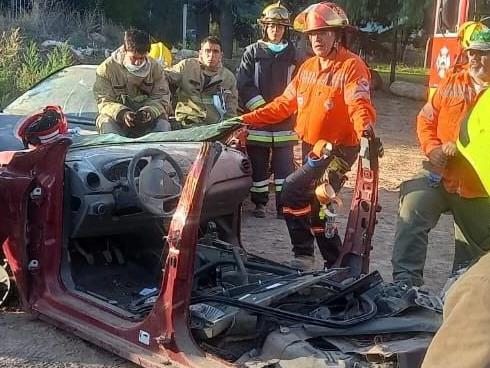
x=439, y=122
x=332, y=104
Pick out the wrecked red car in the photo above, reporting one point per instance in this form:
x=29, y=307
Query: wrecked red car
x=134, y=245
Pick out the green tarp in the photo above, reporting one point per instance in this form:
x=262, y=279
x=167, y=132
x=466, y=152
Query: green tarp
x=208, y=133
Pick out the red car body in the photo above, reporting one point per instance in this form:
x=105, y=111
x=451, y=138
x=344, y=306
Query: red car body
x=32, y=184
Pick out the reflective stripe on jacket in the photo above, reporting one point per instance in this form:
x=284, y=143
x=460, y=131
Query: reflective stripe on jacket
x=439, y=122
x=262, y=76
x=272, y=138
x=117, y=90
x=332, y=104
x=198, y=85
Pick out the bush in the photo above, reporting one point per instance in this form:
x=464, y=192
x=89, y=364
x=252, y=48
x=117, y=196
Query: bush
x=54, y=20
x=10, y=49
x=23, y=65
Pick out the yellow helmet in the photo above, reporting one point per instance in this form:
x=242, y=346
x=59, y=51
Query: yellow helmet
x=275, y=14
x=467, y=29
x=473, y=139
x=161, y=53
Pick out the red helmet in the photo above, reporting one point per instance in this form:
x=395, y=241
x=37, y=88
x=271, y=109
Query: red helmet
x=42, y=127
x=322, y=15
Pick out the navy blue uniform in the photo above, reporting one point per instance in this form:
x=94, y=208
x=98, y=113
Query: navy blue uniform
x=262, y=76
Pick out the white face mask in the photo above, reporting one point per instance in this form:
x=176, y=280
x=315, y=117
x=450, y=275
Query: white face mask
x=134, y=68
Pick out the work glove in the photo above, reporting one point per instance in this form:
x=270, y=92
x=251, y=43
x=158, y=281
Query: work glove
x=322, y=148
x=129, y=118
x=143, y=116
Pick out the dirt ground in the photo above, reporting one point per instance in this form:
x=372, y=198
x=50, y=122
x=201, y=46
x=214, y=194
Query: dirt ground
x=31, y=343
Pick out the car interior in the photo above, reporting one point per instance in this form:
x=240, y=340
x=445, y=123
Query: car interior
x=116, y=217
x=118, y=204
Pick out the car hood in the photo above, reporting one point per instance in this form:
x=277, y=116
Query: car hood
x=8, y=141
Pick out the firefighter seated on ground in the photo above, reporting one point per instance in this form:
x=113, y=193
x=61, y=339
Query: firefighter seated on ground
x=331, y=95
x=206, y=90
x=448, y=183
x=131, y=90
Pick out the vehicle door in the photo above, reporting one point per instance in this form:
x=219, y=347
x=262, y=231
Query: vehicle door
x=31, y=189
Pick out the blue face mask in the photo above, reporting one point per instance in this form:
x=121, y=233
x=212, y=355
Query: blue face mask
x=276, y=47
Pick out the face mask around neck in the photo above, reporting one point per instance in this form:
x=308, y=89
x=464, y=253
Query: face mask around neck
x=276, y=47
x=134, y=68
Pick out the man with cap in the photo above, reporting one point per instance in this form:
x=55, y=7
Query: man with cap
x=460, y=192
x=330, y=94
x=131, y=90
x=266, y=69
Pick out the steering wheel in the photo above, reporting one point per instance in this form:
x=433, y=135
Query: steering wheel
x=156, y=188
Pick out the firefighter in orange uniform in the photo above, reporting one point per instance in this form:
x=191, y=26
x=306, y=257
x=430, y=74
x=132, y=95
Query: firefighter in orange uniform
x=448, y=183
x=331, y=96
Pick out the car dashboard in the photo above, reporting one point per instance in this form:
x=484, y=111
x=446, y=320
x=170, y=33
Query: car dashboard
x=101, y=202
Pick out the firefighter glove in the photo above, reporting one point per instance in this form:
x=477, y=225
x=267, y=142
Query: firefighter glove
x=129, y=118
x=143, y=116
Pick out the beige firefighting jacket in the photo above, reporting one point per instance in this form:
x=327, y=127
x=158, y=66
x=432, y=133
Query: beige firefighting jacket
x=117, y=90
x=195, y=103
x=463, y=341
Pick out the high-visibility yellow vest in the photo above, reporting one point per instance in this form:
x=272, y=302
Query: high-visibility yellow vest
x=474, y=139
x=161, y=53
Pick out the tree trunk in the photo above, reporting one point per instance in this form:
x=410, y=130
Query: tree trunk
x=394, y=51
x=226, y=31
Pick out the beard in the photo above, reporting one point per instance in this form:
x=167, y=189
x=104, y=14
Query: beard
x=479, y=72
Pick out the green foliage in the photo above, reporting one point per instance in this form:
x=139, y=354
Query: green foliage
x=23, y=65
x=34, y=66
x=400, y=68
x=59, y=21
x=10, y=49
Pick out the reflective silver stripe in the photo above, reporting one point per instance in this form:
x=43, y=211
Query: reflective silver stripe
x=290, y=73
x=265, y=133
x=279, y=181
x=255, y=102
x=260, y=132
x=261, y=183
x=278, y=188
x=49, y=137
x=256, y=76
x=283, y=133
x=259, y=190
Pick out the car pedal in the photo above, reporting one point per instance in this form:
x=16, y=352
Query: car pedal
x=107, y=255
x=119, y=255
x=107, y=252
x=88, y=256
